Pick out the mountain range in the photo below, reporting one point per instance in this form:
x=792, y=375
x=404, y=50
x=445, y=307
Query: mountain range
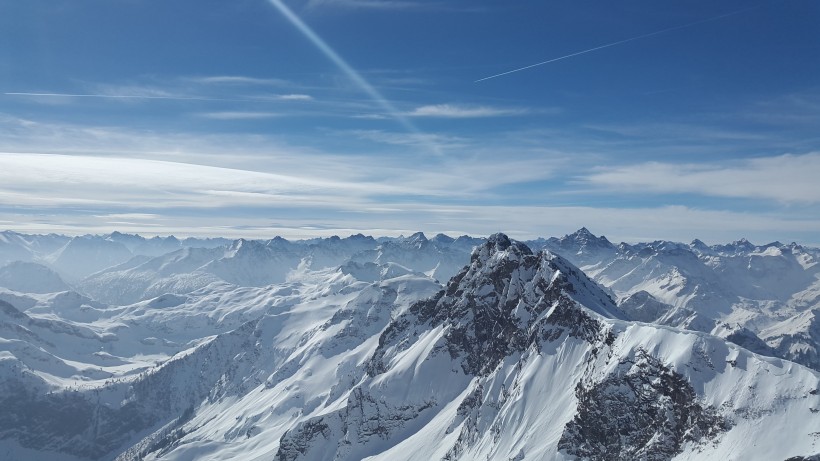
x=121, y=347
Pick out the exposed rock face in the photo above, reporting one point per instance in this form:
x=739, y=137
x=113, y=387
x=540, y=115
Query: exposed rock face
x=642, y=411
x=91, y=425
x=746, y=338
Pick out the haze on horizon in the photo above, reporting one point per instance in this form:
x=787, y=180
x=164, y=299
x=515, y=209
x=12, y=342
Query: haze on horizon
x=306, y=118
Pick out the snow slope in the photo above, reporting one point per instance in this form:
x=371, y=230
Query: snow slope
x=277, y=353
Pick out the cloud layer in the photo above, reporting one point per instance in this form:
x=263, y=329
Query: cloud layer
x=785, y=178
x=97, y=179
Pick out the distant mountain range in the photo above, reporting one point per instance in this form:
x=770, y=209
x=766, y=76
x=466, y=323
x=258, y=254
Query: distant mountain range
x=412, y=348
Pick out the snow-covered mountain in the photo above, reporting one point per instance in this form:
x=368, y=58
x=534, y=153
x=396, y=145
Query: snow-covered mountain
x=260, y=263
x=520, y=355
x=763, y=294
x=143, y=277
x=76, y=257
x=440, y=258
x=28, y=277
x=15, y=246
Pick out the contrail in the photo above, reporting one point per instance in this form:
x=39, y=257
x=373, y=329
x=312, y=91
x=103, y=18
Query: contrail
x=620, y=42
x=347, y=69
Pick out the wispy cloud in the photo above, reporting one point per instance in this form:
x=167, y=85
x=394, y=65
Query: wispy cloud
x=371, y=4
x=784, y=178
x=137, y=94
x=27, y=135
x=238, y=80
x=131, y=216
x=371, y=117
x=459, y=111
x=110, y=96
x=792, y=110
x=59, y=180
x=678, y=132
x=295, y=97
x=411, y=139
x=217, y=88
x=122, y=92
x=168, y=96
x=135, y=90
x=397, y=5
x=170, y=170
x=238, y=115
x=193, y=187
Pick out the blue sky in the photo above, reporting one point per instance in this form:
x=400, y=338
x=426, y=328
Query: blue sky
x=305, y=118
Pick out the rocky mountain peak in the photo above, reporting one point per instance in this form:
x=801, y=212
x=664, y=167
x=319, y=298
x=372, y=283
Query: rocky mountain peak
x=503, y=301
x=278, y=240
x=584, y=232
x=583, y=235
x=698, y=246
x=505, y=271
x=417, y=239
x=499, y=247
x=443, y=239
x=242, y=246
x=743, y=244
x=582, y=241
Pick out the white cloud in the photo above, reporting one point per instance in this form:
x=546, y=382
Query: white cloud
x=180, y=89
x=48, y=165
x=280, y=97
x=238, y=115
x=459, y=111
x=136, y=91
x=238, y=80
x=295, y=97
x=411, y=139
x=63, y=98
x=784, y=178
x=109, y=178
x=58, y=180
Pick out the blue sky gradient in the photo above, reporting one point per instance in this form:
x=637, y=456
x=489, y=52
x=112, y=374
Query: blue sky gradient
x=224, y=118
